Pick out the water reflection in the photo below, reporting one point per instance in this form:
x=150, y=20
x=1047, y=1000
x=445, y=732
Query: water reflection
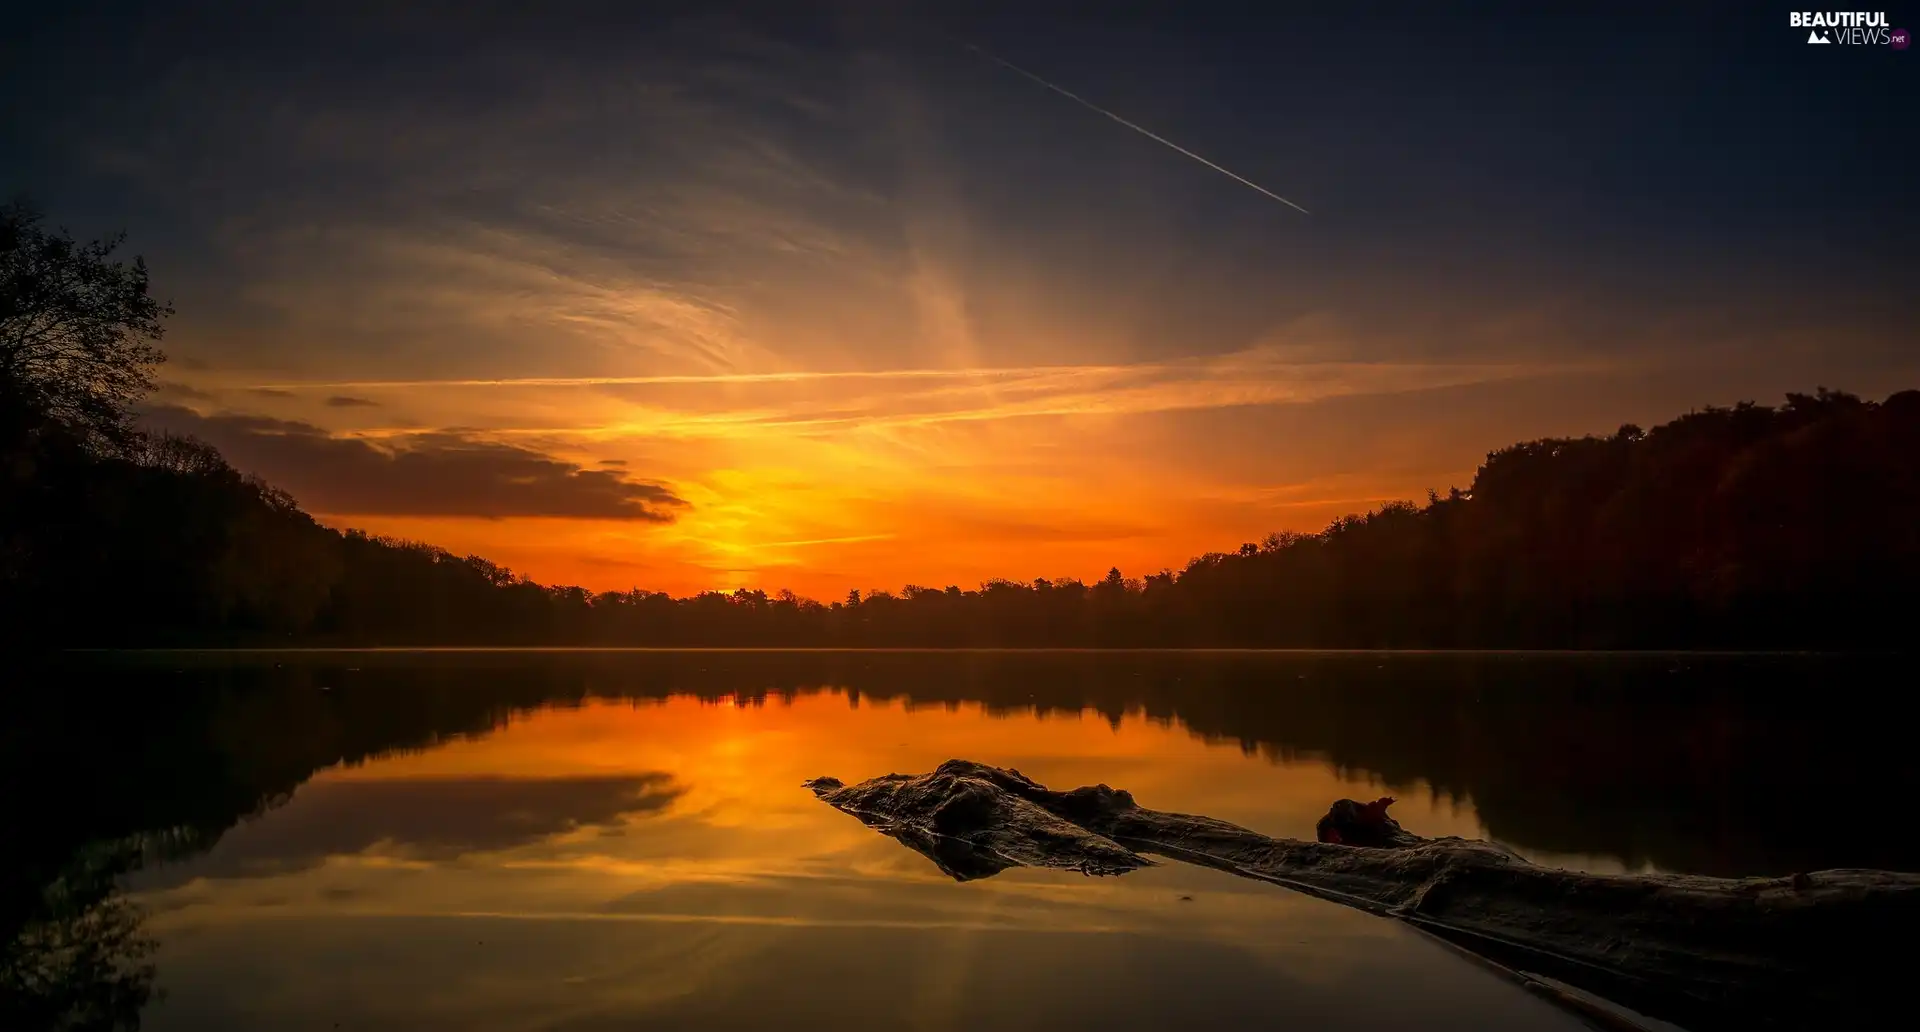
x=624, y=829
x=1714, y=765
x=78, y=956
x=428, y=819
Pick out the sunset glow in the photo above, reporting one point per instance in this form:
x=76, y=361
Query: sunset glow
x=718, y=303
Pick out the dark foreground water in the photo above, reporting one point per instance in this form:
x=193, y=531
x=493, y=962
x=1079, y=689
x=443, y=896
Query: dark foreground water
x=620, y=840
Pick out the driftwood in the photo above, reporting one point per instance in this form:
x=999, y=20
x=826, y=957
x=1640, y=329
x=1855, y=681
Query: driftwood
x=1808, y=950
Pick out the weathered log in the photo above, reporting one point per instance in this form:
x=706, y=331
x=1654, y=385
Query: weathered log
x=1808, y=949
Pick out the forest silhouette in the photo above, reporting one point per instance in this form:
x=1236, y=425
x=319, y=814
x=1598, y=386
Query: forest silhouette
x=1755, y=526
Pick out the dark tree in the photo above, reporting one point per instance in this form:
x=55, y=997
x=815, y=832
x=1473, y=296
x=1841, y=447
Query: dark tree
x=76, y=330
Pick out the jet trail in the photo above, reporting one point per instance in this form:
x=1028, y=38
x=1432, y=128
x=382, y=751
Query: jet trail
x=1142, y=130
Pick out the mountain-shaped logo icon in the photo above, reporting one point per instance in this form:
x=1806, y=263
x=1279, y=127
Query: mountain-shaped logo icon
x=1817, y=37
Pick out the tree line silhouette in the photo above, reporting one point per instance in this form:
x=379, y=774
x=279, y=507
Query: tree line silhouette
x=1785, y=526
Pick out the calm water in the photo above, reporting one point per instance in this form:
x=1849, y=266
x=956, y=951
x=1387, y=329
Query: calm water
x=587, y=841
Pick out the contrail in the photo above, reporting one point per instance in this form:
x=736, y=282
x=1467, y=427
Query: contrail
x=1142, y=130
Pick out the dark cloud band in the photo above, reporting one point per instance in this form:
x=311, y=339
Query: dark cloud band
x=439, y=473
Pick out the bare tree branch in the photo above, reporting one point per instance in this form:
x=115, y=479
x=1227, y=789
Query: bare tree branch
x=77, y=328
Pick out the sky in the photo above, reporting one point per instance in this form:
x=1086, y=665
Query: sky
x=689, y=296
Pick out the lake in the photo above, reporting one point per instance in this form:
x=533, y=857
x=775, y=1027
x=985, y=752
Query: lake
x=600, y=840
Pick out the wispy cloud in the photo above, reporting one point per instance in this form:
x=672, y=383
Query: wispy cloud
x=792, y=376
x=848, y=539
x=174, y=391
x=827, y=401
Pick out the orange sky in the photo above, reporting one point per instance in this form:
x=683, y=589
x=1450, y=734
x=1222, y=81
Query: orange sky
x=823, y=484
x=724, y=303
x=943, y=480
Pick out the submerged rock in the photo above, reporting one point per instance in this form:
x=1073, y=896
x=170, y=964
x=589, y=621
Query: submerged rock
x=1808, y=949
x=1363, y=824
